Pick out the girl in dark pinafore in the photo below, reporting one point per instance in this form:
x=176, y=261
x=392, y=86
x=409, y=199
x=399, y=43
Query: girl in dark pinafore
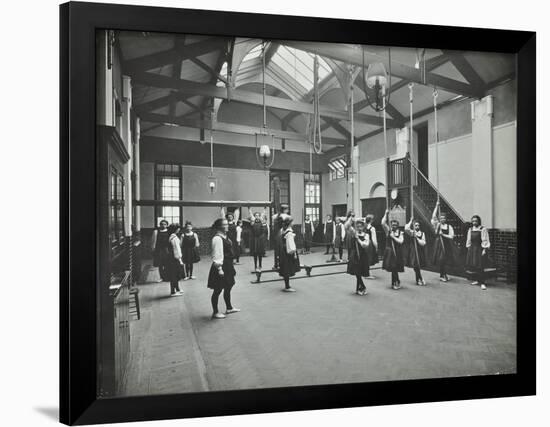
x=259, y=236
x=189, y=250
x=373, y=247
x=161, y=250
x=308, y=234
x=393, y=254
x=443, y=247
x=222, y=272
x=416, y=257
x=477, y=242
x=358, y=252
x=289, y=262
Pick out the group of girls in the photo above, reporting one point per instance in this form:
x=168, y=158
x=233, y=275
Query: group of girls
x=221, y=277
x=362, y=249
x=175, y=251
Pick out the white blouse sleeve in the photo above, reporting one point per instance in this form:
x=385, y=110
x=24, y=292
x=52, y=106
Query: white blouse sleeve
x=290, y=244
x=197, y=244
x=451, y=232
x=217, y=250
x=373, y=237
x=469, y=238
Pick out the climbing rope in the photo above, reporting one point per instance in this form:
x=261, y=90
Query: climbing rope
x=411, y=145
x=436, y=129
x=264, y=126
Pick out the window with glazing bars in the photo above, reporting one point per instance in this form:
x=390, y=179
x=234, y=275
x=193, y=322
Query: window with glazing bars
x=168, y=187
x=312, y=196
x=337, y=168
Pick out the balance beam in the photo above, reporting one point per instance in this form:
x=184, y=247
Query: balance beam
x=308, y=269
x=305, y=267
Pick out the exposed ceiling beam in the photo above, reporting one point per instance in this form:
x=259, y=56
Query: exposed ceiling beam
x=176, y=73
x=465, y=68
x=213, y=73
x=335, y=124
x=270, y=51
x=191, y=88
x=308, y=97
x=351, y=55
x=166, y=57
x=229, y=127
x=417, y=115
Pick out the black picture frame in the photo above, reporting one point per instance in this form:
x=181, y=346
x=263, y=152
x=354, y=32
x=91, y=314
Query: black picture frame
x=78, y=213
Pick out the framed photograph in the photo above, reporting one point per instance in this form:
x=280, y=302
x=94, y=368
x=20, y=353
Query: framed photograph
x=267, y=213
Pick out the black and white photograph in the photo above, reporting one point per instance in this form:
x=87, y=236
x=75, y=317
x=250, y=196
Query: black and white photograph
x=281, y=213
x=274, y=213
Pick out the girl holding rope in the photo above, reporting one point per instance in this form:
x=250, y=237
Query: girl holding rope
x=358, y=254
x=393, y=254
x=416, y=257
x=443, y=248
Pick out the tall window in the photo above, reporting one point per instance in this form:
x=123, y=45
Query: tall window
x=116, y=223
x=337, y=167
x=312, y=196
x=168, y=187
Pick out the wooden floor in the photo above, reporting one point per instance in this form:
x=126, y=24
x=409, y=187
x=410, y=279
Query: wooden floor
x=321, y=334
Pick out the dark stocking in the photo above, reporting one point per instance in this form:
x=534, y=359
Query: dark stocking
x=214, y=299
x=227, y=298
x=287, y=282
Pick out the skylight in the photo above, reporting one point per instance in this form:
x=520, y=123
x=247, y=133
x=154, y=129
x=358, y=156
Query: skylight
x=254, y=53
x=299, y=65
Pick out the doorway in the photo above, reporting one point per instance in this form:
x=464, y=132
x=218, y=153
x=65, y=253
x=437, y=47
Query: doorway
x=422, y=145
x=339, y=210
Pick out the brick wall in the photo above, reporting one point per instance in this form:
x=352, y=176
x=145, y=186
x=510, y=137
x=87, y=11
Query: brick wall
x=503, y=251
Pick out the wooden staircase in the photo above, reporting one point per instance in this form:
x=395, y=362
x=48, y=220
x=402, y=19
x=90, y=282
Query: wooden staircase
x=425, y=196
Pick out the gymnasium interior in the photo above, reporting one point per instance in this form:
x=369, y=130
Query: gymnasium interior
x=189, y=126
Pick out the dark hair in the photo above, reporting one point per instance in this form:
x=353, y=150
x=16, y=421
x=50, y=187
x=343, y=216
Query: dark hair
x=394, y=221
x=287, y=221
x=442, y=214
x=239, y=222
x=230, y=214
x=172, y=228
x=478, y=218
x=217, y=225
x=166, y=222
x=188, y=223
x=369, y=218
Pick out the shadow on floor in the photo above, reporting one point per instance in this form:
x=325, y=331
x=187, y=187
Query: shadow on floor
x=49, y=412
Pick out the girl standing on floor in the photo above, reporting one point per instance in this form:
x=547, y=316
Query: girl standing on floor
x=189, y=250
x=373, y=247
x=238, y=246
x=259, y=236
x=232, y=231
x=289, y=262
x=477, y=242
x=222, y=272
x=328, y=232
x=175, y=262
x=277, y=229
x=443, y=248
x=393, y=254
x=339, y=237
x=308, y=234
x=416, y=257
x=358, y=252
x=161, y=250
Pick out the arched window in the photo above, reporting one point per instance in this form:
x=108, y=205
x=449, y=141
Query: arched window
x=377, y=190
